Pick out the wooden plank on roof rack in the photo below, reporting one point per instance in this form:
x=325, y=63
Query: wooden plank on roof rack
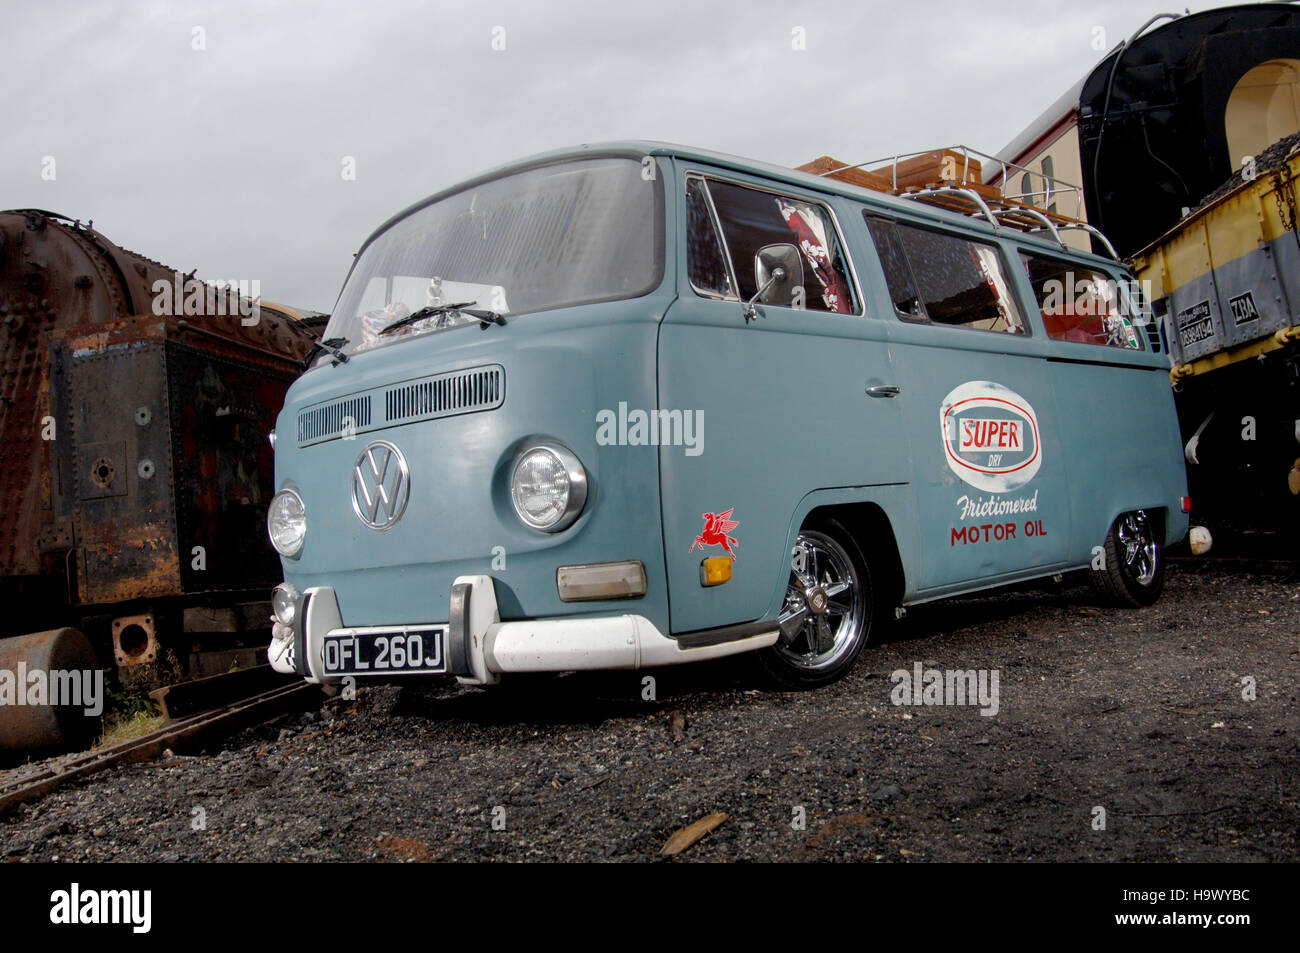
x=823, y=166
x=933, y=169
x=948, y=200
x=1009, y=210
x=926, y=171
x=1055, y=217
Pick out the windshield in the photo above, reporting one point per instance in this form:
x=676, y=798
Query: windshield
x=562, y=234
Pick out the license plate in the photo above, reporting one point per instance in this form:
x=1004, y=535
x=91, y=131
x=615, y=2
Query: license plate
x=415, y=650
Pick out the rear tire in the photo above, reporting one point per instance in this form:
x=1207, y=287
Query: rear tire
x=1133, y=564
x=830, y=610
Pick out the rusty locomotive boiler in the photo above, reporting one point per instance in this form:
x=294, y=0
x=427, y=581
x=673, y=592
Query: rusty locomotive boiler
x=135, y=469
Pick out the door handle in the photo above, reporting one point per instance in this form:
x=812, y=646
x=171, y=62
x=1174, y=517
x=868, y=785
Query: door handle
x=884, y=390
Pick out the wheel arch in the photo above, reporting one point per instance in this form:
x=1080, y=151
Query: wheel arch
x=1158, y=513
x=867, y=520
x=1114, y=581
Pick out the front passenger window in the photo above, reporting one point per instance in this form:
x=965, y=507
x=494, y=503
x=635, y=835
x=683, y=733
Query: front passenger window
x=752, y=218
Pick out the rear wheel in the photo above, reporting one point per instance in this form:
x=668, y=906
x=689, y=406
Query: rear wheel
x=1132, y=569
x=829, y=612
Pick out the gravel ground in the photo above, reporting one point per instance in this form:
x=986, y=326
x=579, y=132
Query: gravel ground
x=1138, y=712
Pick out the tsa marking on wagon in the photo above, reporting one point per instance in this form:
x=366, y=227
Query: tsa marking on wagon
x=990, y=436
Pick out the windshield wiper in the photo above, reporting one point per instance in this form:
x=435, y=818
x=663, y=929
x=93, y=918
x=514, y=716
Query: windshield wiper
x=426, y=312
x=485, y=317
x=333, y=346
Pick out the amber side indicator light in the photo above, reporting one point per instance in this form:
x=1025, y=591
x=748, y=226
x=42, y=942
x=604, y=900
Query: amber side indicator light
x=715, y=571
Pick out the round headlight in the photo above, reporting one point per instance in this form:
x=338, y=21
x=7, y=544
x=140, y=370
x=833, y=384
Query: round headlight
x=286, y=522
x=548, y=487
x=284, y=603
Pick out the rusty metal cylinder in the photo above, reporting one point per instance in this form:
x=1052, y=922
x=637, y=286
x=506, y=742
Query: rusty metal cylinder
x=52, y=692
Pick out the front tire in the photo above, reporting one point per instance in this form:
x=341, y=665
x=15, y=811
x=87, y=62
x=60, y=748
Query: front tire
x=829, y=613
x=1133, y=563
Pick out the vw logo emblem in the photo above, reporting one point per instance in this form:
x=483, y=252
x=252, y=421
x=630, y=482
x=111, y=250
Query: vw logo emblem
x=381, y=485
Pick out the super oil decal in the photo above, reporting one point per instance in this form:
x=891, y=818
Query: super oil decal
x=990, y=436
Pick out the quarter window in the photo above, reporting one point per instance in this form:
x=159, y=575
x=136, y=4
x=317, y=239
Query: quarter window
x=898, y=274
x=1081, y=304
x=945, y=279
x=705, y=262
x=751, y=218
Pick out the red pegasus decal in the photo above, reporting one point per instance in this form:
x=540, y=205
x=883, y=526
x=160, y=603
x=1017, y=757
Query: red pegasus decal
x=716, y=528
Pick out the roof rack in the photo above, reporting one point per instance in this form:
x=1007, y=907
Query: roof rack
x=952, y=178
x=1095, y=233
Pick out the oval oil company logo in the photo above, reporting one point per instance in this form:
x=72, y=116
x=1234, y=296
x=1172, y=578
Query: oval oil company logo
x=990, y=436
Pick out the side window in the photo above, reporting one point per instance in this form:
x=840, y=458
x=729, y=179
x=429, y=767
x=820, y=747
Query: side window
x=1081, y=304
x=945, y=279
x=705, y=263
x=751, y=218
x=898, y=275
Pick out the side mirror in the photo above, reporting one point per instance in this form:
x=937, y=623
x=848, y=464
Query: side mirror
x=778, y=271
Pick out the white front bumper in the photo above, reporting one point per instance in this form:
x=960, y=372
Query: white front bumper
x=481, y=647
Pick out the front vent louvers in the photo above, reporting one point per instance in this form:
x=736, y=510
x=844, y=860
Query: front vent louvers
x=446, y=394
x=332, y=419
x=442, y=395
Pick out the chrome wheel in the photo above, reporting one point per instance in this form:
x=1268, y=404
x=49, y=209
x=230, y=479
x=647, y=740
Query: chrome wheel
x=1138, y=547
x=1133, y=571
x=823, y=619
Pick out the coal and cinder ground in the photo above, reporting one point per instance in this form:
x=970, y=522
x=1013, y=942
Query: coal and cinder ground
x=1138, y=712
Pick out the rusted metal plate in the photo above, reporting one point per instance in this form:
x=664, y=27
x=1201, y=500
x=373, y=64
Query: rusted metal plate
x=165, y=468
x=222, y=411
x=118, y=418
x=138, y=562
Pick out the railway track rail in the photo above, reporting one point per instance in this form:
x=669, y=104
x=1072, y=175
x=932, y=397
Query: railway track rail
x=190, y=733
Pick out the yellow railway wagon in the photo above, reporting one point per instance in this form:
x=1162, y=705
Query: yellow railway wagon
x=1225, y=284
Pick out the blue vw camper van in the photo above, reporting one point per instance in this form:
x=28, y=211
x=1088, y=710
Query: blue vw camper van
x=635, y=405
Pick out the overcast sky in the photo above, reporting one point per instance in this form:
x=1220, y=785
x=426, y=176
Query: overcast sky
x=213, y=135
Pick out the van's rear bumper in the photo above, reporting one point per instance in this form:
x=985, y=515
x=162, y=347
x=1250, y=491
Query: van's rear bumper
x=481, y=648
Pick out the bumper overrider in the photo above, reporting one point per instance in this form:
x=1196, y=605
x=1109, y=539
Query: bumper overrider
x=477, y=647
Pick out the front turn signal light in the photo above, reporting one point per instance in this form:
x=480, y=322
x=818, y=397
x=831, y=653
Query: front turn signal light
x=619, y=580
